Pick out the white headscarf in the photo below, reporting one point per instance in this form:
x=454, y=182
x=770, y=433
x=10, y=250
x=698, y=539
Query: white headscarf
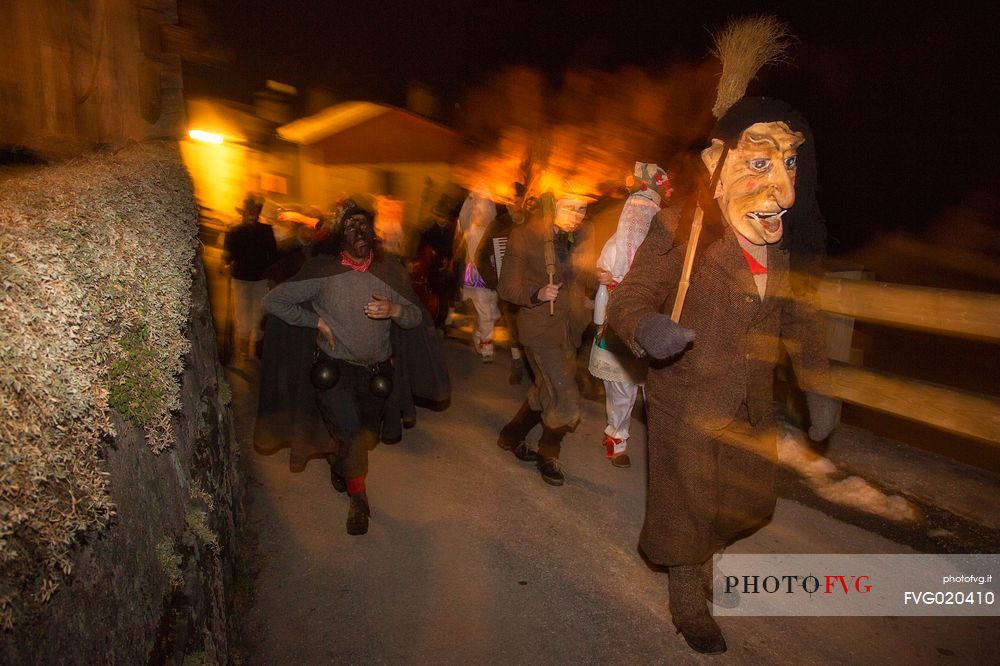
x=633, y=224
x=476, y=214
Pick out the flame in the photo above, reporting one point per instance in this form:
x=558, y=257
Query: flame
x=583, y=138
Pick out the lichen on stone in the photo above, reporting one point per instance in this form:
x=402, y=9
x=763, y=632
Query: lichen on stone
x=170, y=561
x=95, y=289
x=197, y=522
x=198, y=493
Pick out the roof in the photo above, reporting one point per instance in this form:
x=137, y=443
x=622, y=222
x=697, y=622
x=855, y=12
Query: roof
x=365, y=132
x=329, y=121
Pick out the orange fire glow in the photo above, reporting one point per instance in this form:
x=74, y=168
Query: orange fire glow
x=582, y=138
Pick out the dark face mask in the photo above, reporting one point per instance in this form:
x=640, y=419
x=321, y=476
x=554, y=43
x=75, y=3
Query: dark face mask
x=359, y=237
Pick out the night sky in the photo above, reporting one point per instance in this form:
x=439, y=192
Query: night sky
x=899, y=96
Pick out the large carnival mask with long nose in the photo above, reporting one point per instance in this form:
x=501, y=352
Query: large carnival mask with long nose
x=757, y=183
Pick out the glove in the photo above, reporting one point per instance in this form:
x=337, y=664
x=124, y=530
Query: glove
x=661, y=337
x=823, y=412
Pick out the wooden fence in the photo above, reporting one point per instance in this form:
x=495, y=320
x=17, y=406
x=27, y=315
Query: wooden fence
x=845, y=298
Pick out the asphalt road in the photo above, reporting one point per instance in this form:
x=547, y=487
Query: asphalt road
x=472, y=559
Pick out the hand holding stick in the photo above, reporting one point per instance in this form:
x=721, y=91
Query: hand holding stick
x=550, y=261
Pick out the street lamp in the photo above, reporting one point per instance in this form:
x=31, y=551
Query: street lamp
x=207, y=137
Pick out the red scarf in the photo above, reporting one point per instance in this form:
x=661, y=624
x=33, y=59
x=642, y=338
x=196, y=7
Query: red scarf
x=360, y=266
x=756, y=268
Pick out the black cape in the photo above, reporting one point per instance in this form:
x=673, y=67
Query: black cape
x=287, y=411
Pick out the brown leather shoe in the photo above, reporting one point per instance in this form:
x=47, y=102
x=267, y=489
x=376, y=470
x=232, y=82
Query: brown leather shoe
x=621, y=460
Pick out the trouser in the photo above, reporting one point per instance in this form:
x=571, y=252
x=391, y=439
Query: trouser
x=444, y=290
x=517, y=429
x=555, y=392
x=487, y=312
x=705, y=488
x=550, y=443
x=619, y=400
x=248, y=298
x=352, y=414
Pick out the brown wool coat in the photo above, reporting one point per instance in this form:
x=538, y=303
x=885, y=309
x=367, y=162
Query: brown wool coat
x=524, y=273
x=731, y=363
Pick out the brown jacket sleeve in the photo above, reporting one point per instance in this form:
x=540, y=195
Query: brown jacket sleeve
x=651, y=280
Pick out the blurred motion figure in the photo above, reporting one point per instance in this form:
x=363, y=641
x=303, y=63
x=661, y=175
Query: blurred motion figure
x=248, y=251
x=489, y=261
x=477, y=213
x=550, y=322
x=610, y=360
x=434, y=264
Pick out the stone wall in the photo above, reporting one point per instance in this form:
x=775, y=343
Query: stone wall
x=150, y=577
x=157, y=584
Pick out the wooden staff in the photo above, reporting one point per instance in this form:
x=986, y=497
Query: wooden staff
x=743, y=47
x=550, y=263
x=692, y=247
x=685, y=281
x=548, y=213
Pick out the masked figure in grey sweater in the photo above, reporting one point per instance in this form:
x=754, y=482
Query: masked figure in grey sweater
x=352, y=299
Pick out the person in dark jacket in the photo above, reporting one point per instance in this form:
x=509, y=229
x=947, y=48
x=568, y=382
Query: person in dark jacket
x=249, y=250
x=434, y=264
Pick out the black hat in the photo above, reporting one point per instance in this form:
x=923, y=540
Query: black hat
x=805, y=230
x=752, y=110
x=352, y=207
x=441, y=208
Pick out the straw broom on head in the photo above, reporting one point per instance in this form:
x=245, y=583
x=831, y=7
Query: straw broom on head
x=743, y=46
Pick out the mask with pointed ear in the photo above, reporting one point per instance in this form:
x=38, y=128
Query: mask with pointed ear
x=804, y=231
x=757, y=180
x=710, y=158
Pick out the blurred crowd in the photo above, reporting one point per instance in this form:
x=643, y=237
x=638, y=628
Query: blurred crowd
x=453, y=257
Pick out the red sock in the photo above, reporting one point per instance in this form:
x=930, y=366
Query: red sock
x=355, y=485
x=609, y=445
